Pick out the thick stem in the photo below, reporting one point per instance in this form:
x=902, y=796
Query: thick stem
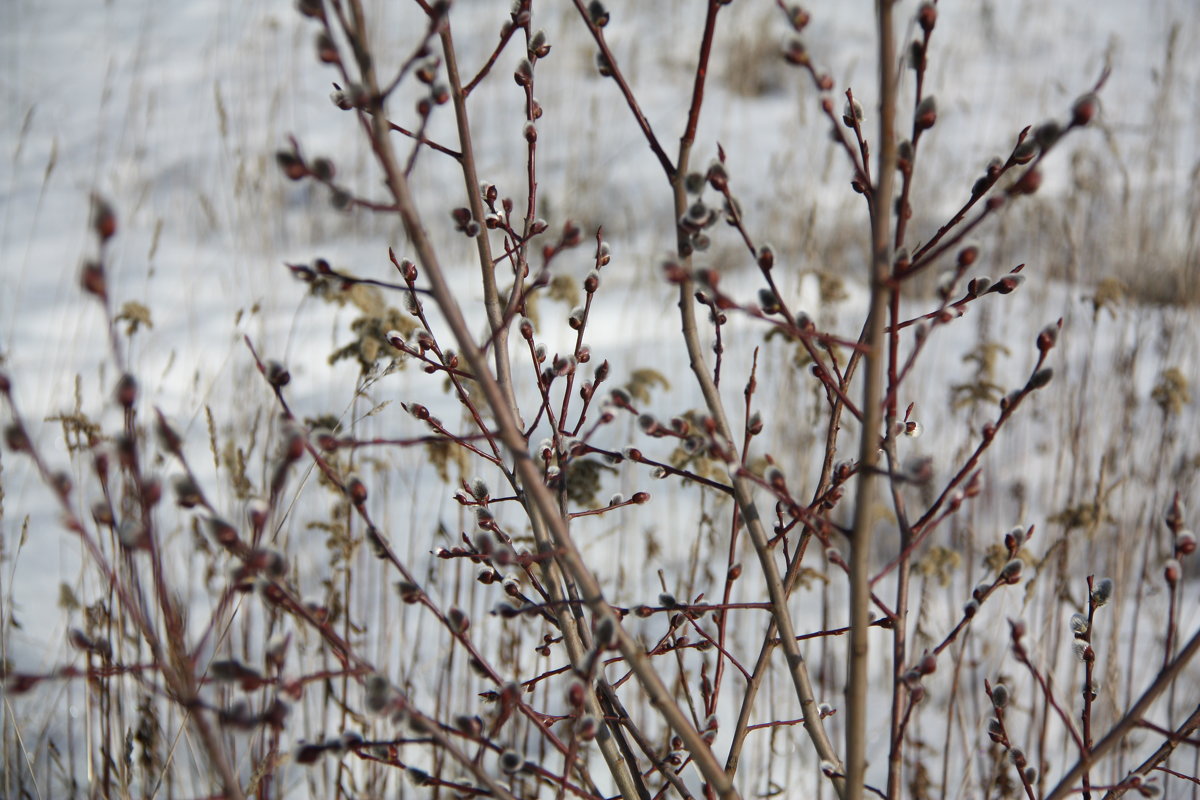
x=491, y=294
x=872, y=411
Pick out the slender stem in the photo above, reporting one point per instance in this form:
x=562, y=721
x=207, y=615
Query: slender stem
x=542, y=499
x=1133, y=716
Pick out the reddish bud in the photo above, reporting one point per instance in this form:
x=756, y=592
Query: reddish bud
x=926, y=113
x=458, y=621
x=326, y=49
x=597, y=13
x=794, y=52
x=1028, y=183
x=93, y=280
x=1048, y=337
x=927, y=16
x=16, y=438
x=104, y=219
x=356, y=490
x=1085, y=109
x=291, y=165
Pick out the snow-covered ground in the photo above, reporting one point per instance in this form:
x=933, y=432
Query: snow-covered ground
x=174, y=111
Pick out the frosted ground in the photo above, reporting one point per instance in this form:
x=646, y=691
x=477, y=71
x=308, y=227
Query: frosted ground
x=174, y=111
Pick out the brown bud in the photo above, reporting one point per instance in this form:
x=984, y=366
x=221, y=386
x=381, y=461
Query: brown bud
x=597, y=13
x=458, y=620
x=16, y=438
x=794, y=52
x=1028, y=183
x=277, y=374
x=356, y=490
